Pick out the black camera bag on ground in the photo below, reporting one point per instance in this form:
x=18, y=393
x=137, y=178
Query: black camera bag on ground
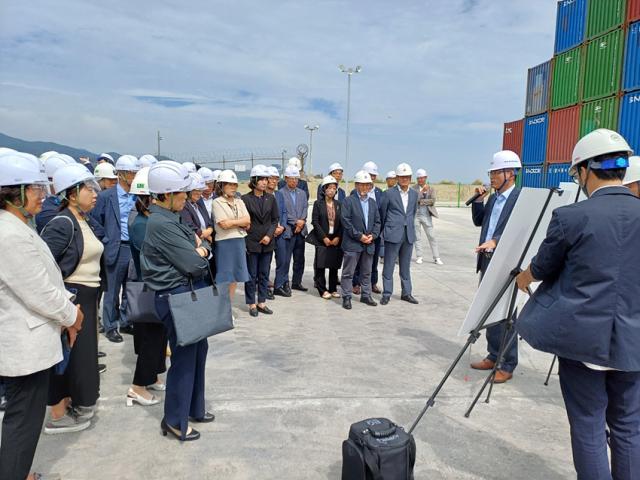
x=378, y=449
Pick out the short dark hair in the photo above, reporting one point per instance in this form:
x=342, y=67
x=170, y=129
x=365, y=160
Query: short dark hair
x=9, y=194
x=612, y=174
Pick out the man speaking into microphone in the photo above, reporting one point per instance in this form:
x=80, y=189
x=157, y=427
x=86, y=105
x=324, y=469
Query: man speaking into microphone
x=492, y=217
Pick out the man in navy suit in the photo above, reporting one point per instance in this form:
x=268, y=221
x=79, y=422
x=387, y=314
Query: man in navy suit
x=112, y=213
x=361, y=227
x=493, y=217
x=293, y=206
x=587, y=309
x=398, y=212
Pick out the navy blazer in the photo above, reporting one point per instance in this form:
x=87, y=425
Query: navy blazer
x=353, y=226
x=190, y=217
x=394, y=219
x=481, y=215
x=377, y=192
x=67, y=244
x=107, y=214
x=588, y=305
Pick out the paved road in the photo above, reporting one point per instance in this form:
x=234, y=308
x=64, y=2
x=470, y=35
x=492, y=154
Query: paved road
x=286, y=388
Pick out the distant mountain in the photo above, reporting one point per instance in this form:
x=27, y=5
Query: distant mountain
x=38, y=148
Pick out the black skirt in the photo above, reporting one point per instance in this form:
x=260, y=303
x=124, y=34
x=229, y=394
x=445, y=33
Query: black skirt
x=81, y=380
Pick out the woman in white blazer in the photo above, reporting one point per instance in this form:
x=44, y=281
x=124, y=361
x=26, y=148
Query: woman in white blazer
x=34, y=308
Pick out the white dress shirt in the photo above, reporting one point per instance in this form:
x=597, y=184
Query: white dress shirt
x=405, y=198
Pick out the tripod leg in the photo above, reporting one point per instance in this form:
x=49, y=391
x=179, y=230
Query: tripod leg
x=553, y=362
x=507, y=340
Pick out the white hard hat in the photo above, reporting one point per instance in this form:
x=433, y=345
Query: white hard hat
x=147, y=160
x=362, y=177
x=140, y=183
x=391, y=174
x=190, y=166
x=197, y=182
x=335, y=166
x=105, y=170
x=259, y=171
x=206, y=174
x=328, y=180
x=21, y=169
x=71, y=175
x=216, y=174
x=632, y=174
x=46, y=155
x=107, y=157
x=5, y=150
x=167, y=177
x=127, y=163
x=273, y=171
x=228, y=176
x=54, y=162
x=505, y=159
x=295, y=161
x=421, y=172
x=292, y=171
x=404, y=170
x=371, y=168
x=599, y=142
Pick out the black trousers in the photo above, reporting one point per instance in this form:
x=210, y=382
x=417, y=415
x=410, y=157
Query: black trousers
x=320, y=280
x=258, y=264
x=150, y=344
x=26, y=407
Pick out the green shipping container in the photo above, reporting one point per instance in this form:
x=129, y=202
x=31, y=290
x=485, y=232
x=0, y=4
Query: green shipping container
x=602, y=113
x=605, y=15
x=566, y=78
x=603, y=65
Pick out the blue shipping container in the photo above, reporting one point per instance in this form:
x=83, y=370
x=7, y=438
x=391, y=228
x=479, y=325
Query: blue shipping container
x=538, y=89
x=629, y=125
x=532, y=176
x=557, y=173
x=632, y=58
x=534, y=148
x=570, y=24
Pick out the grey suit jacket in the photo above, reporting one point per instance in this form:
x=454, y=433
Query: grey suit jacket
x=394, y=219
x=295, y=212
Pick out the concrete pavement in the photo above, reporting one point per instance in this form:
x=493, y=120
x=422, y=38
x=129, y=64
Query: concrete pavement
x=286, y=387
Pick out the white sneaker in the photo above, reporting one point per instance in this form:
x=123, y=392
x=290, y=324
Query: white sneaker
x=419, y=260
x=437, y=261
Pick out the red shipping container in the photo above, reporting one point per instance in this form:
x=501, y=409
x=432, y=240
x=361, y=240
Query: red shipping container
x=512, y=136
x=564, y=129
x=633, y=10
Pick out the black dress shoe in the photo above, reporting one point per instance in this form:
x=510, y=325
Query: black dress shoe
x=384, y=300
x=270, y=295
x=114, y=336
x=409, y=298
x=346, y=303
x=299, y=287
x=207, y=418
x=253, y=312
x=368, y=301
x=281, y=292
x=266, y=310
x=127, y=329
x=101, y=354
x=287, y=288
x=3, y=403
x=193, y=435
x=100, y=329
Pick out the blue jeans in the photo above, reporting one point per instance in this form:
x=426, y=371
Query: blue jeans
x=112, y=309
x=184, y=396
x=258, y=265
x=595, y=399
x=494, y=341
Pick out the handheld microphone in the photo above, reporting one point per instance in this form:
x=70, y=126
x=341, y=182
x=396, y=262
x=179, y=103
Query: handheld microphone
x=475, y=196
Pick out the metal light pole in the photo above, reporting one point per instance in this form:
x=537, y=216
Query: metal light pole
x=159, y=138
x=311, y=130
x=349, y=71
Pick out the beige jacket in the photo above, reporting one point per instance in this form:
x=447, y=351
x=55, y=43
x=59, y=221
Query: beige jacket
x=223, y=210
x=33, y=301
x=426, y=199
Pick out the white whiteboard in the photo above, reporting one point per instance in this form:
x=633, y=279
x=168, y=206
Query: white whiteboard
x=512, y=243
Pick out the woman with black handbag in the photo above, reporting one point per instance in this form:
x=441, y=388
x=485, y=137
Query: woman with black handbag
x=263, y=210
x=78, y=252
x=326, y=236
x=149, y=338
x=173, y=261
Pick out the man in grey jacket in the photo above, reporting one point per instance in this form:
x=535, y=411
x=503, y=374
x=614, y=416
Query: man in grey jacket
x=424, y=217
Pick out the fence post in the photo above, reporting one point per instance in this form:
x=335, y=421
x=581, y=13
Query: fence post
x=459, y=186
x=224, y=163
x=251, y=159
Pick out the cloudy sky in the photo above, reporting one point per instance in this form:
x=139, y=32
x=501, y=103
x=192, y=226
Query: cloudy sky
x=439, y=77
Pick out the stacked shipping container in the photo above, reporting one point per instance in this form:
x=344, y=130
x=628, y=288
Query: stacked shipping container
x=593, y=81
